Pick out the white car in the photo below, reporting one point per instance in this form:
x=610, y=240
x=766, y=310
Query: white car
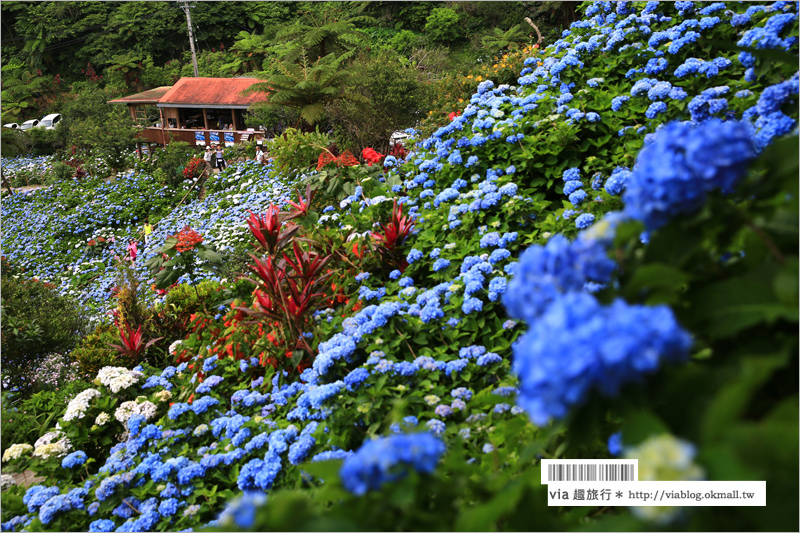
x=28, y=124
x=11, y=125
x=50, y=121
x=398, y=137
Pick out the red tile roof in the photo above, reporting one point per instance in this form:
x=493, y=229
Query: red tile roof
x=148, y=97
x=212, y=92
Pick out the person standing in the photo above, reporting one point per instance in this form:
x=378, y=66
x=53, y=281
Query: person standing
x=220, y=160
x=259, y=155
x=207, y=158
x=148, y=229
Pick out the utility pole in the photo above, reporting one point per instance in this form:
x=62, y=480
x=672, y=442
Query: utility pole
x=186, y=7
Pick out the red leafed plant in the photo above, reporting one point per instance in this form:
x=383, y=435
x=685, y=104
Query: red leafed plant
x=394, y=235
x=287, y=293
x=300, y=209
x=399, y=151
x=267, y=228
x=371, y=156
x=132, y=344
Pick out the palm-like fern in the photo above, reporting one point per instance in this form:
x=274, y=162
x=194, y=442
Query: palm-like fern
x=499, y=39
x=308, y=87
x=320, y=35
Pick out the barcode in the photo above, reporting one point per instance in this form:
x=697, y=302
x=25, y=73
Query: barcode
x=591, y=472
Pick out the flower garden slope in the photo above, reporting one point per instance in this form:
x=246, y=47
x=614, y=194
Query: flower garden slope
x=491, y=182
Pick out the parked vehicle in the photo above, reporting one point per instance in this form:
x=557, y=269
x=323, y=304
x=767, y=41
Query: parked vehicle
x=28, y=124
x=11, y=125
x=50, y=121
x=398, y=137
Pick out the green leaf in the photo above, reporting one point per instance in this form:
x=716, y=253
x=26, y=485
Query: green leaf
x=729, y=306
x=731, y=401
x=638, y=425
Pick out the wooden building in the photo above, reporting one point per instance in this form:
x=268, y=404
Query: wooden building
x=200, y=111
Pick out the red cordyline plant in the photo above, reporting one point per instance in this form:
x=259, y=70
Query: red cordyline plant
x=267, y=229
x=394, y=234
x=399, y=151
x=300, y=209
x=133, y=345
x=288, y=291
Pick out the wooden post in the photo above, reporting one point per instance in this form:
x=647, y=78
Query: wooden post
x=132, y=109
x=233, y=114
x=5, y=182
x=205, y=118
x=163, y=135
x=139, y=150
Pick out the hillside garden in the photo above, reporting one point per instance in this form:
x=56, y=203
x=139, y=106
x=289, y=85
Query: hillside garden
x=596, y=260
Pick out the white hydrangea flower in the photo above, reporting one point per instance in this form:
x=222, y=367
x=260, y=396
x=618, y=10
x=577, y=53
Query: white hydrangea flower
x=664, y=458
x=102, y=419
x=118, y=378
x=127, y=409
x=174, y=346
x=16, y=451
x=431, y=399
x=163, y=396
x=54, y=449
x=200, y=430
x=78, y=406
x=6, y=481
x=48, y=438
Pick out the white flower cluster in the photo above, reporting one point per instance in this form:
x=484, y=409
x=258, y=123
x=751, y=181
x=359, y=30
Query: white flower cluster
x=664, y=458
x=127, y=409
x=6, y=481
x=163, y=396
x=46, y=448
x=16, y=451
x=174, y=346
x=102, y=419
x=78, y=406
x=117, y=378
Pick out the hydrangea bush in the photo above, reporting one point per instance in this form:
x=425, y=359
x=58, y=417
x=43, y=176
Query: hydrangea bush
x=607, y=249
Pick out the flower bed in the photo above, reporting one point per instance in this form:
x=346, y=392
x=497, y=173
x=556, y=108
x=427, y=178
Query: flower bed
x=583, y=265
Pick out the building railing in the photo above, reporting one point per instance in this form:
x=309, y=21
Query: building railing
x=197, y=137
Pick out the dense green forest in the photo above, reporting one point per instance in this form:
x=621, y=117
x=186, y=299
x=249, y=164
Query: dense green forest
x=375, y=66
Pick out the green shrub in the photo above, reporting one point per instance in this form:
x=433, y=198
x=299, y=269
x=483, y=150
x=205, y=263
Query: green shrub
x=404, y=42
x=297, y=151
x=397, y=99
x=59, y=172
x=25, y=420
x=36, y=321
x=444, y=26
x=93, y=352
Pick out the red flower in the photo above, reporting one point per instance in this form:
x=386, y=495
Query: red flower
x=325, y=158
x=346, y=160
x=371, y=156
x=454, y=114
x=187, y=238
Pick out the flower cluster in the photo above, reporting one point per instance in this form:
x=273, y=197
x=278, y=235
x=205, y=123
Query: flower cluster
x=187, y=239
x=387, y=459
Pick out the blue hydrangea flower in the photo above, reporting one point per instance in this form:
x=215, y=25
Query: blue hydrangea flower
x=673, y=173
x=387, y=459
x=584, y=221
x=441, y=264
x=578, y=345
x=414, y=255
x=544, y=273
x=74, y=459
